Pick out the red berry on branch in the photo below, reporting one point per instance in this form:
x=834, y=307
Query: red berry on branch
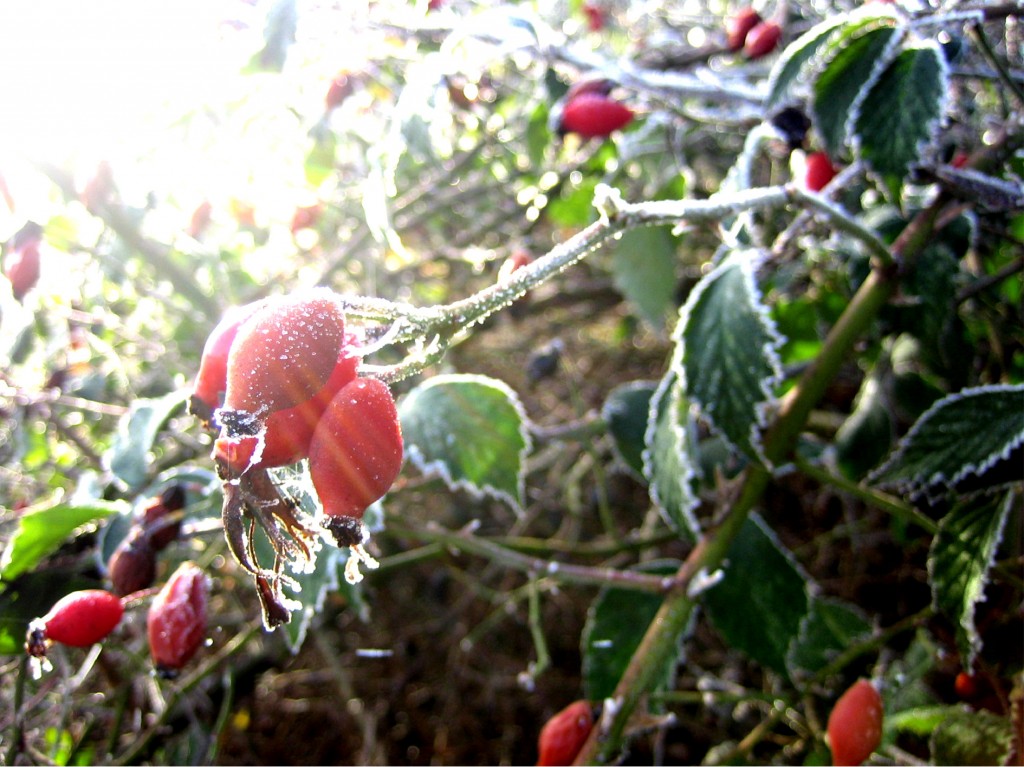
x=212, y=379
x=176, y=623
x=819, y=171
x=306, y=217
x=355, y=455
x=341, y=88
x=738, y=26
x=200, y=219
x=564, y=734
x=161, y=530
x=595, y=16
x=285, y=353
x=594, y=115
x=80, y=619
x=21, y=259
x=762, y=40
x=855, y=724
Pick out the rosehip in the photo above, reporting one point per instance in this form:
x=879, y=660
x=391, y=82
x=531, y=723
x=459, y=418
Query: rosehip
x=355, y=455
x=161, y=531
x=594, y=115
x=176, y=623
x=341, y=88
x=855, y=724
x=212, y=379
x=595, y=17
x=306, y=217
x=21, y=261
x=132, y=566
x=762, y=40
x=819, y=171
x=564, y=734
x=284, y=353
x=966, y=686
x=738, y=26
x=200, y=219
x=287, y=433
x=79, y=619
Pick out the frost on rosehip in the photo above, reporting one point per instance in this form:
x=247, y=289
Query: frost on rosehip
x=176, y=623
x=80, y=619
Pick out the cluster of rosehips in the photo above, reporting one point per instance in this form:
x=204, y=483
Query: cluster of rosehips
x=746, y=31
x=132, y=566
x=279, y=383
x=175, y=623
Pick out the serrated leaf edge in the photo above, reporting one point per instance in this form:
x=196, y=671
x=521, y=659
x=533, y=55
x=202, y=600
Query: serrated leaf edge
x=805, y=623
x=938, y=478
x=620, y=461
x=932, y=131
x=748, y=261
x=438, y=467
x=966, y=620
x=670, y=384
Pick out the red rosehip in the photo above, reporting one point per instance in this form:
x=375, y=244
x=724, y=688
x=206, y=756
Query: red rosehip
x=212, y=379
x=176, y=623
x=80, y=619
x=284, y=353
x=966, y=686
x=287, y=433
x=960, y=160
x=594, y=115
x=306, y=217
x=819, y=171
x=341, y=88
x=738, y=26
x=564, y=734
x=595, y=17
x=355, y=455
x=855, y=724
x=762, y=40
x=200, y=219
x=132, y=566
x=21, y=260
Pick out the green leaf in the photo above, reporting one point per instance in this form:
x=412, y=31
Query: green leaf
x=789, y=66
x=728, y=348
x=319, y=164
x=40, y=533
x=625, y=412
x=616, y=623
x=961, y=435
x=972, y=737
x=920, y=721
x=129, y=455
x=668, y=460
x=644, y=271
x=762, y=601
x=959, y=559
x=899, y=118
x=472, y=431
x=866, y=436
x=829, y=627
x=842, y=84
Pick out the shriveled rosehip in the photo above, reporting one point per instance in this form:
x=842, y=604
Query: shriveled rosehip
x=212, y=379
x=286, y=434
x=593, y=115
x=284, y=353
x=176, y=623
x=21, y=259
x=762, y=40
x=132, y=566
x=355, y=455
x=160, y=530
x=855, y=724
x=564, y=734
x=819, y=171
x=80, y=619
x=738, y=26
